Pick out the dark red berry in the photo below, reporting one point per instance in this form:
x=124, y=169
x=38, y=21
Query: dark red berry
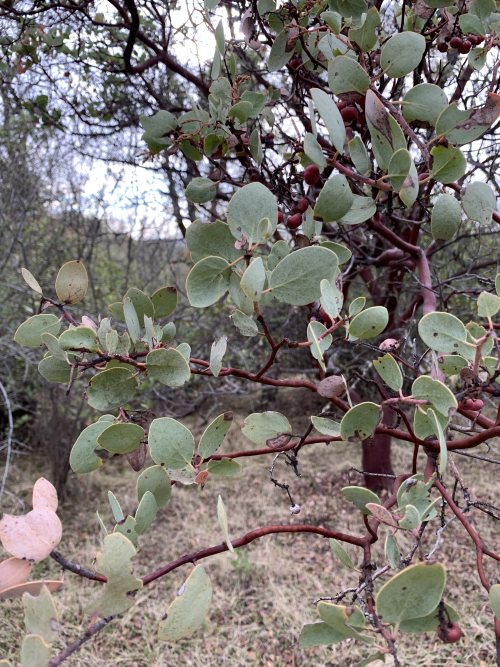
x=254, y=176
x=465, y=46
x=349, y=114
x=443, y=47
x=341, y=104
x=450, y=633
x=301, y=206
x=281, y=217
x=294, y=221
x=311, y=174
x=475, y=40
x=269, y=139
x=455, y=42
x=295, y=62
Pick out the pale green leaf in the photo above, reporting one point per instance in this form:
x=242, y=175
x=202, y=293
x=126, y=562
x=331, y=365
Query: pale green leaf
x=29, y=333
x=413, y=593
x=168, y=366
x=296, y=278
x=72, y=282
x=187, y=612
x=247, y=207
x=402, y=53
x=334, y=200
x=217, y=352
x=214, y=435
x=260, y=427
x=390, y=372
x=330, y=115
x=121, y=438
x=222, y=519
x=170, y=443
x=346, y=75
x=360, y=421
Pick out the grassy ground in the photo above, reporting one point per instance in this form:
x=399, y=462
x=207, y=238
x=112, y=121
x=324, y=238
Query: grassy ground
x=262, y=596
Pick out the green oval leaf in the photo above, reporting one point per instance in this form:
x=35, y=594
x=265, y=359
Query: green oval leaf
x=83, y=458
x=214, y=435
x=402, y=53
x=156, y=480
x=260, y=427
x=334, y=200
x=72, y=282
x=187, y=612
x=248, y=206
x=145, y=513
x=446, y=216
x=360, y=496
x=442, y=332
x=413, y=593
x=390, y=372
x=54, y=369
x=168, y=366
x=368, y=323
x=111, y=388
x=29, y=333
x=448, y=164
x=77, y=338
x=346, y=75
x=170, y=443
x=164, y=301
x=296, y=278
x=424, y=102
x=200, y=190
x=479, y=202
x=330, y=115
x=360, y=421
x=436, y=393
x=208, y=281
x=121, y=438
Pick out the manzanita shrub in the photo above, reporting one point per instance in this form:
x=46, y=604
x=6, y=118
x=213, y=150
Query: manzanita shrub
x=337, y=152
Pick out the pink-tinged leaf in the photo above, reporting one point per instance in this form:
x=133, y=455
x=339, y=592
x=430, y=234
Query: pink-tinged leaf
x=32, y=536
x=382, y=514
x=331, y=386
x=44, y=495
x=89, y=322
x=32, y=587
x=13, y=571
x=201, y=477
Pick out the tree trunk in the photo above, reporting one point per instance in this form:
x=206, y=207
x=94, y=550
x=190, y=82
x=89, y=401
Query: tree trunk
x=376, y=458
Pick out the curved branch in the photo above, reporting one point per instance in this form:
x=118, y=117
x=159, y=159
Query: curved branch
x=246, y=539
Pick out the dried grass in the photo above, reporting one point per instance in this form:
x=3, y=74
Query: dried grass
x=262, y=596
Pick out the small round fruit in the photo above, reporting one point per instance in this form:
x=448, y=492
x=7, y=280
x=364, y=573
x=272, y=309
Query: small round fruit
x=301, y=206
x=312, y=174
x=443, y=47
x=450, y=633
x=349, y=114
x=281, y=217
x=294, y=221
x=455, y=42
x=268, y=139
x=465, y=46
x=475, y=404
x=475, y=40
x=295, y=62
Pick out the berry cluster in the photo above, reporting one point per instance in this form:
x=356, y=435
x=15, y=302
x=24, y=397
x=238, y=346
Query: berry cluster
x=462, y=44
